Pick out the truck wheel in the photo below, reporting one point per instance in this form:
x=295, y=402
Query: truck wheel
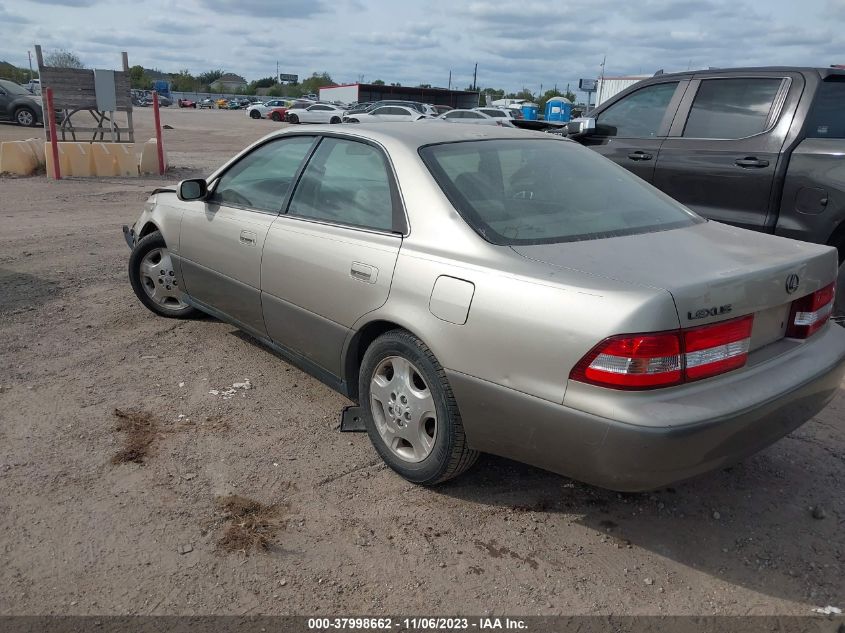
x=410, y=412
x=25, y=117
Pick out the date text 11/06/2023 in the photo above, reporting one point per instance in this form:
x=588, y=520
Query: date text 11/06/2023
x=415, y=624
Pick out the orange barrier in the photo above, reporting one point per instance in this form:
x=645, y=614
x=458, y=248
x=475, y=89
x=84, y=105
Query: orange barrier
x=18, y=157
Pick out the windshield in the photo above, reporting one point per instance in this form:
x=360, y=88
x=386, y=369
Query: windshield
x=12, y=88
x=538, y=191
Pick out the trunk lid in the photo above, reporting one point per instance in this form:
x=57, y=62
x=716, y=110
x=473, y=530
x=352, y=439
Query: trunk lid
x=713, y=271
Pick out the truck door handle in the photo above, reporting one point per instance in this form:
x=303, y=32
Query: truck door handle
x=751, y=161
x=640, y=155
x=248, y=238
x=363, y=272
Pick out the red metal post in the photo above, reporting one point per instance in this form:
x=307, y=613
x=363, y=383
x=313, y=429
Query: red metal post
x=159, y=146
x=54, y=140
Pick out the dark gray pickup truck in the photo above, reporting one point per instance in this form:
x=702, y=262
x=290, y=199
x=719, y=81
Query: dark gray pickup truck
x=760, y=148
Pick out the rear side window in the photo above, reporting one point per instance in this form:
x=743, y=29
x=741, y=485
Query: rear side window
x=731, y=108
x=827, y=116
x=261, y=179
x=639, y=114
x=541, y=191
x=346, y=182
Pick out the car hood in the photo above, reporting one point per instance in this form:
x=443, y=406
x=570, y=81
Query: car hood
x=712, y=270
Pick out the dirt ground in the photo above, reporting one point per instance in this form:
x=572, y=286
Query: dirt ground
x=93, y=523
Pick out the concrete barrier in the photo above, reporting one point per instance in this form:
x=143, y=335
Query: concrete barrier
x=124, y=159
x=103, y=162
x=37, y=146
x=64, y=164
x=18, y=157
x=149, y=158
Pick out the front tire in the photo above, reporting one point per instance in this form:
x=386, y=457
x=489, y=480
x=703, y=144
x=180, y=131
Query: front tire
x=410, y=411
x=335, y=120
x=154, y=280
x=25, y=117
x=276, y=117
x=254, y=114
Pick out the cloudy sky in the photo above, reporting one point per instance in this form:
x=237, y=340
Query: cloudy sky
x=516, y=43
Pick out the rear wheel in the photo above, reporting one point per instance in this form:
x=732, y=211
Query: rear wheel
x=254, y=114
x=154, y=280
x=410, y=412
x=276, y=116
x=292, y=118
x=25, y=117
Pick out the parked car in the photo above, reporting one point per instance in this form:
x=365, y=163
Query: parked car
x=261, y=110
x=317, y=113
x=223, y=104
x=498, y=113
x=279, y=113
x=163, y=102
x=759, y=148
x=233, y=104
x=359, y=107
x=19, y=105
x=385, y=113
x=473, y=117
x=187, y=103
x=207, y=103
x=422, y=108
x=33, y=86
x=523, y=296
x=441, y=109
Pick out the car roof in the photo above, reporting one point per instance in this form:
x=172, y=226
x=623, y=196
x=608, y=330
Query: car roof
x=415, y=135
x=824, y=72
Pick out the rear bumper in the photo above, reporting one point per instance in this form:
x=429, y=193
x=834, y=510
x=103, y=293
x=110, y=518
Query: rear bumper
x=630, y=457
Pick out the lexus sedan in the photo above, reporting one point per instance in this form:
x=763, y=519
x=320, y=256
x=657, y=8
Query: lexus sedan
x=486, y=289
x=385, y=113
x=316, y=113
x=474, y=117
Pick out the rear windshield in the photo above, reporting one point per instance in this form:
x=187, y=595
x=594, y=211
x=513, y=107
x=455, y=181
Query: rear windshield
x=827, y=116
x=538, y=191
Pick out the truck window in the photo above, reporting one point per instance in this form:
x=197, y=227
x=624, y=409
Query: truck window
x=827, y=115
x=731, y=108
x=639, y=114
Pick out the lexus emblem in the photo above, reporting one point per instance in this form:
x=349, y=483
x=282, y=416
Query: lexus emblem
x=792, y=283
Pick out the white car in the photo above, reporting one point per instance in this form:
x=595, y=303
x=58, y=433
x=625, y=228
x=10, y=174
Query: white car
x=497, y=113
x=260, y=110
x=317, y=113
x=385, y=113
x=474, y=117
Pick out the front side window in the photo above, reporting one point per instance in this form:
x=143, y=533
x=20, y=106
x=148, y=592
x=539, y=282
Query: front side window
x=827, y=115
x=541, y=191
x=454, y=115
x=261, y=179
x=731, y=108
x=639, y=114
x=346, y=182
x=380, y=111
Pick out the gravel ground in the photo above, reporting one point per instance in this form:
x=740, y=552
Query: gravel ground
x=81, y=534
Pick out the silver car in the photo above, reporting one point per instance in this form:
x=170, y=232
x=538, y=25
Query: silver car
x=485, y=289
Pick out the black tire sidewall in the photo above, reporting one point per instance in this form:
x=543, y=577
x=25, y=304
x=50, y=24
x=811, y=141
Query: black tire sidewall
x=144, y=246
x=255, y=114
x=34, y=117
x=293, y=119
x=399, y=343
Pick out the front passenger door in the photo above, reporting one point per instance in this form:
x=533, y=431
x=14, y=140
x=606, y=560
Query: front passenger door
x=221, y=237
x=631, y=130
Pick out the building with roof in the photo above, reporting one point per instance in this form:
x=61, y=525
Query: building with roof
x=229, y=82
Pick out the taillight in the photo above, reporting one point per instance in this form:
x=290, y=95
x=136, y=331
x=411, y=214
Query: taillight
x=715, y=349
x=661, y=359
x=810, y=313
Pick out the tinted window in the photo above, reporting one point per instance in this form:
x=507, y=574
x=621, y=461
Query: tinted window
x=453, y=115
x=639, y=114
x=346, y=182
x=494, y=113
x=378, y=111
x=261, y=179
x=827, y=116
x=731, y=108
x=473, y=115
x=542, y=191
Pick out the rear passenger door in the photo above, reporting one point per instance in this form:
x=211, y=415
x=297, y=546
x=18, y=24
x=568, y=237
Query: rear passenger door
x=630, y=131
x=722, y=153
x=329, y=260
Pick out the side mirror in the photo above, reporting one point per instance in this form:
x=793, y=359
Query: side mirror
x=584, y=126
x=194, y=189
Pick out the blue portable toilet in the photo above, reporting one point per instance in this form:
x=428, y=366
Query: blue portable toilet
x=558, y=109
x=529, y=111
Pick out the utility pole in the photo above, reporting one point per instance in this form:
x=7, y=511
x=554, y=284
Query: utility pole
x=277, y=72
x=29, y=54
x=475, y=77
x=601, y=79
x=450, y=79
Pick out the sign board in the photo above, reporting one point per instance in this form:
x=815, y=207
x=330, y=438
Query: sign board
x=104, y=90
x=587, y=85
x=291, y=78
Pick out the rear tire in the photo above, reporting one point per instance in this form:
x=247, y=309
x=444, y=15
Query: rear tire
x=416, y=403
x=292, y=118
x=25, y=117
x=276, y=117
x=153, y=280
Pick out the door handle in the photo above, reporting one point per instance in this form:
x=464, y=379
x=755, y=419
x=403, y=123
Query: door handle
x=363, y=272
x=751, y=161
x=248, y=238
x=640, y=155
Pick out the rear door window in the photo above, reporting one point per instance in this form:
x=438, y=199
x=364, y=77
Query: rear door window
x=732, y=108
x=638, y=115
x=827, y=115
x=346, y=182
